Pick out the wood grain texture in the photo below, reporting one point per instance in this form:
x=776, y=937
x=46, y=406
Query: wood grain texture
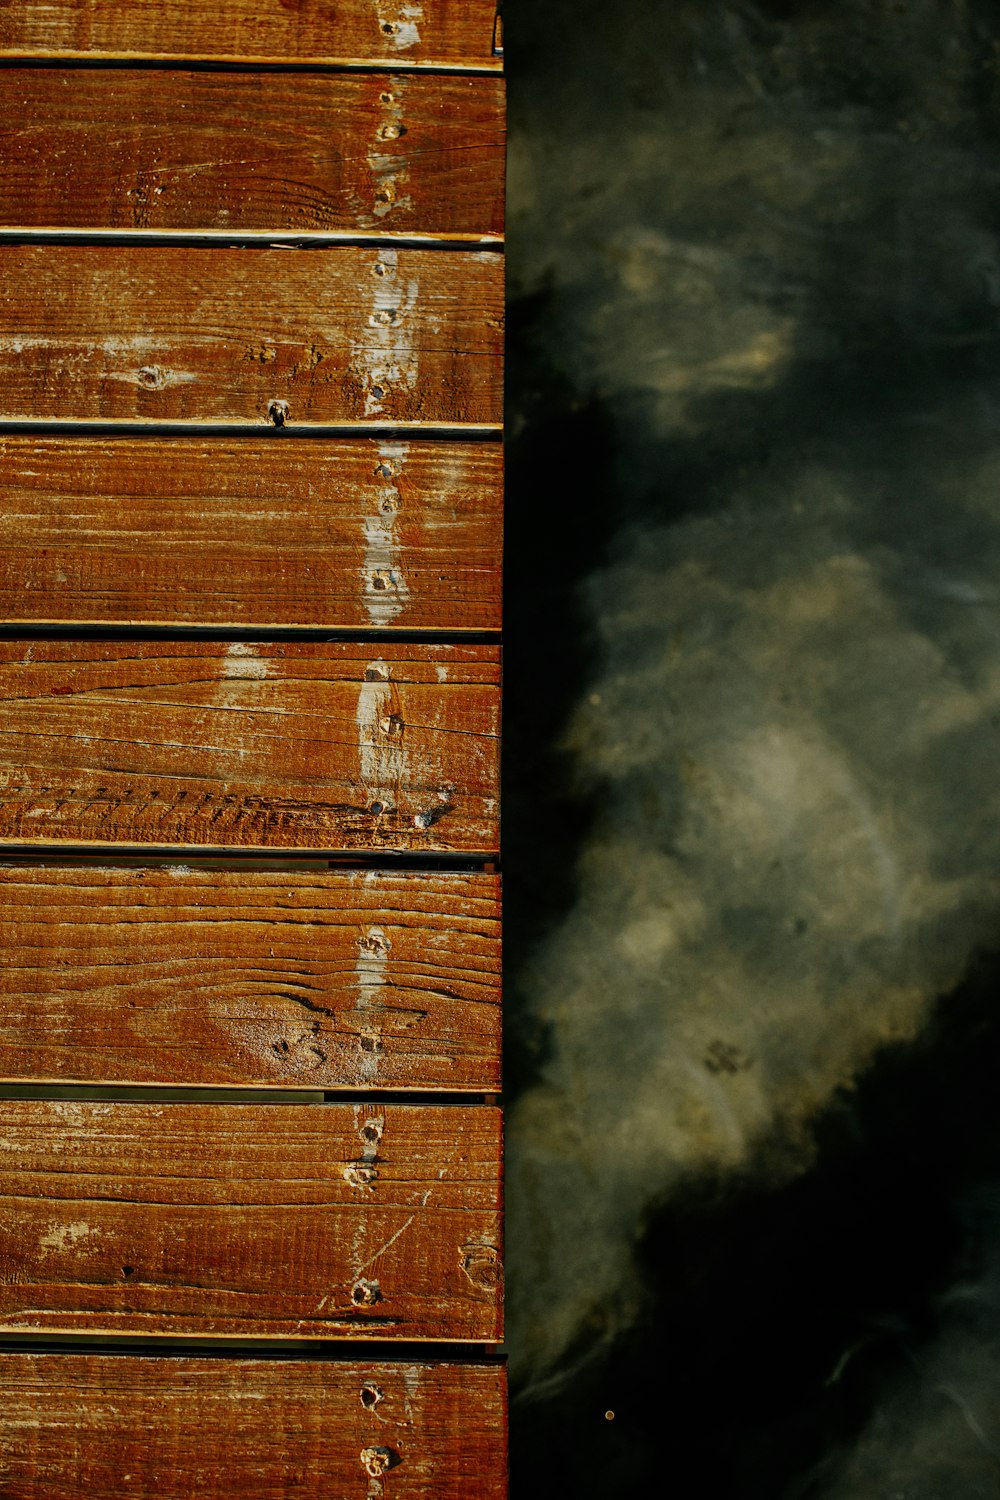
x=97, y=1427
x=411, y=33
x=295, y=745
x=293, y=1221
x=253, y=532
x=75, y=1426
x=116, y=149
x=257, y=979
x=338, y=334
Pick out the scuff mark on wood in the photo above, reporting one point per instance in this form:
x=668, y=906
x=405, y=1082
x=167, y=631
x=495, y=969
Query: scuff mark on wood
x=237, y=1219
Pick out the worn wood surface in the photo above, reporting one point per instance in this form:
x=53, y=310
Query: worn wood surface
x=297, y=745
x=96, y=1427
x=338, y=334
x=180, y=976
x=411, y=33
x=298, y=1221
x=116, y=149
x=252, y=532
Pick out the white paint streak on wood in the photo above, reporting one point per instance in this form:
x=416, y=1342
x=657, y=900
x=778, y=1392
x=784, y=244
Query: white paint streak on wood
x=408, y=34
x=389, y=171
x=240, y=664
x=411, y=1383
x=384, y=357
x=402, y=22
x=372, y=962
x=382, y=759
x=242, y=661
x=61, y=1237
x=382, y=579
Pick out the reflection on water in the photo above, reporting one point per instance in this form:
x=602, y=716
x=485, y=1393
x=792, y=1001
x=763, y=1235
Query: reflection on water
x=752, y=840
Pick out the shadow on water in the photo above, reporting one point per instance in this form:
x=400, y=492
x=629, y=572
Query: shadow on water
x=782, y=1319
x=565, y=505
x=556, y=529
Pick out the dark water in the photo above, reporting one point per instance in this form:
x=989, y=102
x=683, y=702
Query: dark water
x=752, y=841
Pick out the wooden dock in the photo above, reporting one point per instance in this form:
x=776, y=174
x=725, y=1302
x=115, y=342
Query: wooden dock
x=251, y=473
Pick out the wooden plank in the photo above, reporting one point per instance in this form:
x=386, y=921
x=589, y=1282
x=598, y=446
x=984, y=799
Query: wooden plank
x=283, y=1220
x=411, y=33
x=340, y=334
x=270, y=152
x=249, y=979
x=301, y=745
x=252, y=532
x=85, y=1426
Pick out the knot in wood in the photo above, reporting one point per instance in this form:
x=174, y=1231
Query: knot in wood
x=481, y=1264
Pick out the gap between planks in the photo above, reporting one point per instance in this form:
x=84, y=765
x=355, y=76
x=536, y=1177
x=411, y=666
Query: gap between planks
x=113, y=1093
x=221, y=239
x=98, y=856
x=80, y=63
x=452, y=432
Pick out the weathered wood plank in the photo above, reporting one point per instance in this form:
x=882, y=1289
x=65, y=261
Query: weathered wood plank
x=95, y=1427
x=257, y=979
x=298, y=745
x=250, y=533
x=294, y=1221
x=411, y=33
x=270, y=152
x=341, y=334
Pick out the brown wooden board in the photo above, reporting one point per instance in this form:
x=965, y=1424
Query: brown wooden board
x=412, y=33
x=258, y=532
x=95, y=1427
x=115, y=149
x=338, y=334
x=179, y=976
x=297, y=745
x=247, y=744
x=257, y=1220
